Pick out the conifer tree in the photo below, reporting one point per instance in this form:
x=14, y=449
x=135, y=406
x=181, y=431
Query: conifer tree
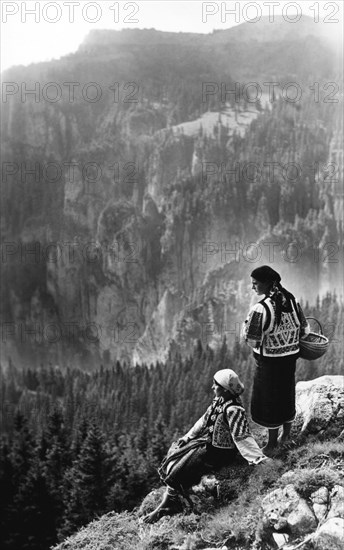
x=22, y=450
x=86, y=483
x=158, y=440
x=7, y=492
x=33, y=512
x=57, y=458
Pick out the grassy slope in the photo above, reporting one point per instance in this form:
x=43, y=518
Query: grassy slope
x=235, y=516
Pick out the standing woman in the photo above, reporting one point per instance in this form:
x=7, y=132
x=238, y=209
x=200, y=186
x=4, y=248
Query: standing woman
x=273, y=328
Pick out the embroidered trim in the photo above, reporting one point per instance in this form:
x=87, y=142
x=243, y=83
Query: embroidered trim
x=254, y=326
x=283, y=339
x=232, y=423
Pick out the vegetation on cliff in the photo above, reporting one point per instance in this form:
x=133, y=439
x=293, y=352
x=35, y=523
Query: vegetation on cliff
x=77, y=445
x=234, y=519
x=232, y=180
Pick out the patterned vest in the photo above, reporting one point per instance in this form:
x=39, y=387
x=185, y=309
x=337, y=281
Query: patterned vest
x=219, y=431
x=283, y=339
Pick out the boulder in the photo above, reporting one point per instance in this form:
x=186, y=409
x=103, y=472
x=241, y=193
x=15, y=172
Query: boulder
x=280, y=539
x=320, y=501
x=208, y=485
x=319, y=402
x=330, y=535
x=284, y=509
x=336, y=502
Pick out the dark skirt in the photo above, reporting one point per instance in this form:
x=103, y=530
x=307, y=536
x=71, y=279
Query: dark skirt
x=184, y=466
x=273, y=395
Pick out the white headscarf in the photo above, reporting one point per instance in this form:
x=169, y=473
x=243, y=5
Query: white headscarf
x=229, y=380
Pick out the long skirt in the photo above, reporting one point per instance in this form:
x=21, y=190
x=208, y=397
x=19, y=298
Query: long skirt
x=184, y=466
x=273, y=395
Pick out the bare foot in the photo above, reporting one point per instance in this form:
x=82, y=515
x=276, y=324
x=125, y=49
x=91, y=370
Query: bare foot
x=286, y=442
x=284, y=437
x=269, y=448
x=163, y=510
x=155, y=515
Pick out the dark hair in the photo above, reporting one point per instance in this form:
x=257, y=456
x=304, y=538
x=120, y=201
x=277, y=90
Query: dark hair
x=280, y=296
x=265, y=274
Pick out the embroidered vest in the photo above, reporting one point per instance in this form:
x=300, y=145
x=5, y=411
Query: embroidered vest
x=283, y=339
x=219, y=434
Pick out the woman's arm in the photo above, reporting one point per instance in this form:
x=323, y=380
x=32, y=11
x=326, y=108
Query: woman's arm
x=249, y=450
x=242, y=437
x=197, y=428
x=253, y=326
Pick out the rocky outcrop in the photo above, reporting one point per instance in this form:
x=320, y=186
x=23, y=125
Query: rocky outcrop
x=336, y=507
x=320, y=502
x=320, y=402
x=286, y=514
x=330, y=535
x=285, y=510
x=291, y=517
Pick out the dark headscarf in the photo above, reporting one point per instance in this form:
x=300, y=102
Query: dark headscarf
x=281, y=297
x=265, y=274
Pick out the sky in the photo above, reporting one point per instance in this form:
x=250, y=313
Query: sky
x=33, y=31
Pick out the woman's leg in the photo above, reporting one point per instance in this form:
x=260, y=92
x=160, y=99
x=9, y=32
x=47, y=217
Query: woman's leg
x=184, y=472
x=272, y=440
x=286, y=431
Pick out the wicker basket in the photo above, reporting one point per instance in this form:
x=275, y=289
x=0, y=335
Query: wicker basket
x=313, y=345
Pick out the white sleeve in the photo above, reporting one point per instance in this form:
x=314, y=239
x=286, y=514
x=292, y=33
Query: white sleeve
x=240, y=432
x=252, y=330
x=249, y=450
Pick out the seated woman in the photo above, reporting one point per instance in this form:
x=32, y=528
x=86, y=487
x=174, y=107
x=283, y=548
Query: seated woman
x=211, y=443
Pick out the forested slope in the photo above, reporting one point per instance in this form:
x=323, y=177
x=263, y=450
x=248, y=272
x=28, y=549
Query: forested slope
x=146, y=208
x=78, y=444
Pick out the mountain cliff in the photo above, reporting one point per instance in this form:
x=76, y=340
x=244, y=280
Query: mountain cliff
x=149, y=173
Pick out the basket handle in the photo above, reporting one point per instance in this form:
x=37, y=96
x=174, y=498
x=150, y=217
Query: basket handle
x=316, y=320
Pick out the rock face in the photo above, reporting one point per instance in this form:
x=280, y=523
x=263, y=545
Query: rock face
x=285, y=509
x=129, y=225
x=320, y=501
x=320, y=402
x=320, y=405
x=330, y=535
x=337, y=502
x=289, y=515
